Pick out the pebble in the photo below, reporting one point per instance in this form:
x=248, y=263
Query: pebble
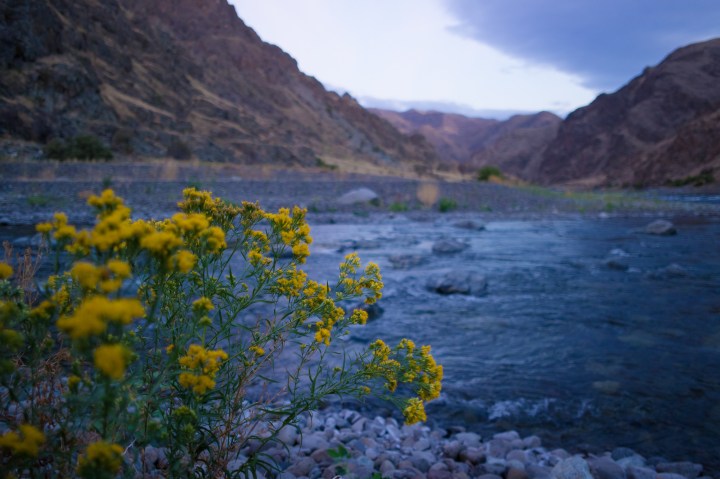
x=380, y=447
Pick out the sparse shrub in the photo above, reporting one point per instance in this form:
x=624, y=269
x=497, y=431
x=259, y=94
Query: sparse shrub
x=398, y=207
x=83, y=147
x=320, y=163
x=179, y=150
x=486, y=172
x=446, y=204
x=705, y=177
x=107, y=182
x=167, y=333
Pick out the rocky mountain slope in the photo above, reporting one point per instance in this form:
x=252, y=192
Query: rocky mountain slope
x=180, y=78
x=514, y=145
x=663, y=125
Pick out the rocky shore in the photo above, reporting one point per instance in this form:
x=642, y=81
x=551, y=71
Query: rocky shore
x=347, y=444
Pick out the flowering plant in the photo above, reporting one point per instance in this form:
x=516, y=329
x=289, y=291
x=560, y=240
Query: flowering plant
x=199, y=333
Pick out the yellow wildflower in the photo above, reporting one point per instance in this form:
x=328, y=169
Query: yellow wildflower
x=100, y=456
x=44, y=228
x=257, y=350
x=111, y=360
x=414, y=411
x=6, y=270
x=205, y=365
x=160, y=242
x=184, y=261
x=74, y=382
x=192, y=223
x=215, y=238
x=202, y=305
x=86, y=274
x=359, y=316
x=301, y=252
x=26, y=443
x=119, y=268
x=93, y=314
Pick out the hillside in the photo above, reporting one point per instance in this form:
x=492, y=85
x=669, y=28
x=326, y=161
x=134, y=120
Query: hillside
x=663, y=125
x=514, y=144
x=184, y=78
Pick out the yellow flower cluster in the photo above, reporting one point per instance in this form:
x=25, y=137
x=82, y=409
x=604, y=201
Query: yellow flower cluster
x=63, y=231
x=204, y=364
x=359, y=316
x=329, y=315
x=414, y=411
x=99, y=459
x=93, y=315
x=408, y=365
x=291, y=283
x=26, y=443
x=111, y=360
x=216, y=210
x=293, y=230
x=257, y=350
x=105, y=279
x=202, y=305
x=6, y=270
x=370, y=283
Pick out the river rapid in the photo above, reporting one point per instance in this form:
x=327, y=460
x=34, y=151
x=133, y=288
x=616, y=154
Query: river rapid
x=590, y=332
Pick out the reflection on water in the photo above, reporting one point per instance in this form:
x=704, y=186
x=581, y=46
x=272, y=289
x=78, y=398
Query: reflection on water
x=563, y=344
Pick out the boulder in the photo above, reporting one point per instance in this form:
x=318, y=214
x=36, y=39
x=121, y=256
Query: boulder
x=359, y=195
x=470, y=225
x=459, y=282
x=406, y=261
x=572, y=468
x=687, y=469
x=448, y=246
x=661, y=228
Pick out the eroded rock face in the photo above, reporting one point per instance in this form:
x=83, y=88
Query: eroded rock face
x=663, y=125
x=146, y=77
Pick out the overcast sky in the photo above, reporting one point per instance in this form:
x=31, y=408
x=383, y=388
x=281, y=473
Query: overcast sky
x=479, y=57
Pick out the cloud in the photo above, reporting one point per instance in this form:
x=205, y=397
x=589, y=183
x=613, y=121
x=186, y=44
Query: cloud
x=606, y=43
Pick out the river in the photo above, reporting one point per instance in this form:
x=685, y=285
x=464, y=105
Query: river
x=566, y=343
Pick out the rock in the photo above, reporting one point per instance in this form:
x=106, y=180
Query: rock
x=605, y=468
x=360, y=468
x=387, y=467
x=634, y=472
x=468, y=439
x=422, y=460
x=571, y=468
x=470, y=225
x=531, y=442
x=507, y=436
x=236, y=464
x=516, y=473
x=423, y=444
x=321, y=457
x=459, y=282
x=359, y=195
x=302, y=466
x=489, y=476
x=621, y=452
x=516, y=455
x=536, y=471
x=451, y=449
x=406, y=261
x=439, y=470
x=616, y=264
x=473, y=455
x=448, y=246
x=314, y=441
x=288, y=435
x=661, y=228
x=670, y=271
x=498, y=448
x=634, y=460
x=669, y=475
x=687, y=469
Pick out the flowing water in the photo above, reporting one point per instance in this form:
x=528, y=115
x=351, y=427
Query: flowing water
x=563, y=344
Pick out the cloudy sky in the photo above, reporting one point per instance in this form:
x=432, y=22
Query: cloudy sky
x=479, y=57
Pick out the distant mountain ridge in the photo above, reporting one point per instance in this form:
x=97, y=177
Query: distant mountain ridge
x=147, y=76
x=514, y=145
